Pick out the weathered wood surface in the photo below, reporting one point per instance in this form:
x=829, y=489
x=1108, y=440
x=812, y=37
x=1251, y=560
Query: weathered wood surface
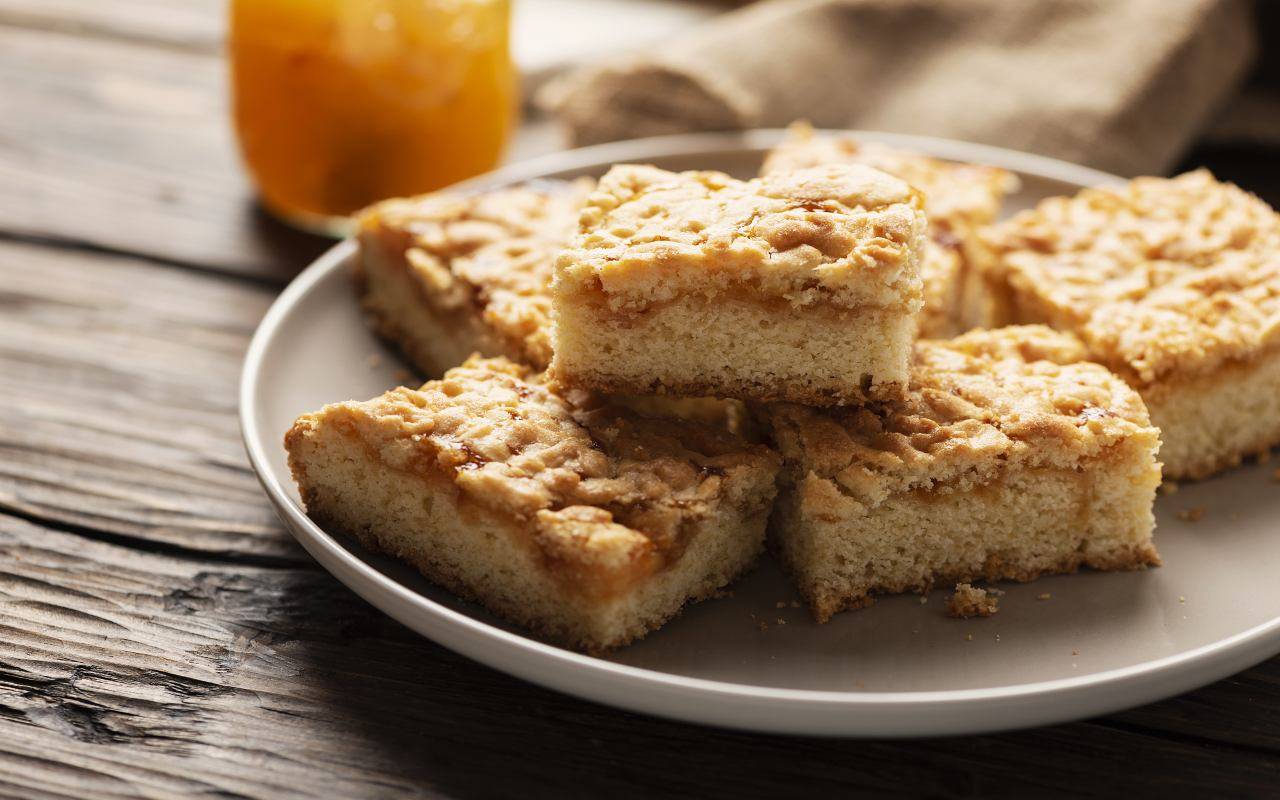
x=163, y=636
x=119, y=379
x=195, y=25
x=128, y=148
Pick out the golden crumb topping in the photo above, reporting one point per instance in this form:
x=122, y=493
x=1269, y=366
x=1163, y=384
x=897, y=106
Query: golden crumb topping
x=491, y=250
x=841, y=234
x=511, y=445
x=940, y=267
x=958, y=196
x=976, y=404
x=1160, y=275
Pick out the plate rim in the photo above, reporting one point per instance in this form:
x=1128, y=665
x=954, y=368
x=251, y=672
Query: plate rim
x=702, y=700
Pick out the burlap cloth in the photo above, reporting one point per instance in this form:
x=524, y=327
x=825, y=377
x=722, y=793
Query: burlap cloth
x=1122, y=85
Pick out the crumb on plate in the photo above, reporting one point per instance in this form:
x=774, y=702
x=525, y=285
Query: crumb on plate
x=970, y=601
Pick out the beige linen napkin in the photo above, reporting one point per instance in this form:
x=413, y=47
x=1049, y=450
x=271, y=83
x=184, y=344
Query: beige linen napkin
x=1122, y=85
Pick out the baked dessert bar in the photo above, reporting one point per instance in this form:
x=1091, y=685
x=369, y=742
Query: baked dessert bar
x=447, y=275
x=958, y=199
x=583, y=521
x=799, y=286
x=1009, y=459
x=444, y=276
x=1175, y=285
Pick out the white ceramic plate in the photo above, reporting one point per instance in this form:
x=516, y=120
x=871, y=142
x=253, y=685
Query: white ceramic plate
x=1098, y=643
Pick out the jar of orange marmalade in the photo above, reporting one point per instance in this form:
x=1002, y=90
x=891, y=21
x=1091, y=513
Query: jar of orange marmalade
x=339, y=103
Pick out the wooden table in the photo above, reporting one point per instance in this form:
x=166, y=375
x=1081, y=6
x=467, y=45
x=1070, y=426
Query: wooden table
x=163, y=635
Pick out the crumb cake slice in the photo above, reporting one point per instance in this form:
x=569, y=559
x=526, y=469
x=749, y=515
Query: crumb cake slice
x=958, y=199
x=447, y=275
x=1008, y=459
x=799, y=286
x=1175, y=285
x=585, y=522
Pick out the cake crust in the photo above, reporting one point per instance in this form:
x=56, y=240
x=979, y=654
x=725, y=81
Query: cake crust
x=446, y=275
x=1172, y=283
x=958, y=196
x=584, y=506
x=1008, y=459
x=958, y=199
x=1159, y=276
x=831, y=235
x=798, y=286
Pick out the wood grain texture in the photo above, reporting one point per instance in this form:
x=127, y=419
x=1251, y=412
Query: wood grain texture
x=129, y=148
x=195, y=25
x=119, y=382
x=125, y=674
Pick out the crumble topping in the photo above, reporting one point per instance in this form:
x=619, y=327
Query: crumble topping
x=574, y=464
x=940, y=267
x=971, y=601
x=493, y=250
x=976, y=404
x=841, y=234
x=1158, y=276
x=958, y=196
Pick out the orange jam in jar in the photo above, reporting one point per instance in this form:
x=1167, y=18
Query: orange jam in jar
x=340, y=103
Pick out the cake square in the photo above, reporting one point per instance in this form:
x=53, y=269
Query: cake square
x=959, y=198
x=799, y=286
x=446, y=275
x=1008, y=459
x=584, y=521
x=1173, y=283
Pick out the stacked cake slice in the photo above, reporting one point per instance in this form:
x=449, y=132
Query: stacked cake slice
x=800, y=285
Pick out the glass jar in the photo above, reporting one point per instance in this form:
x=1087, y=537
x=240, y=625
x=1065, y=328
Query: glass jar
x=340, y=103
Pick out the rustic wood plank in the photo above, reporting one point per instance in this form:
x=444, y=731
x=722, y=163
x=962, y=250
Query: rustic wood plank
x=118, y=379
x=196, y=25
x=125, y=673
x=129, y=148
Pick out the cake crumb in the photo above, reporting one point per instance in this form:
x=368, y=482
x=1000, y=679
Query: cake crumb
x=969, y=601
x=780, y=621
x=1075, y=652
x=763, y=626
x=1169, y=487
x=1182, y=599
x=1191, y=514
x=968, y=637
x=1044, y=596
x=924, y=598
x=780, y=604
